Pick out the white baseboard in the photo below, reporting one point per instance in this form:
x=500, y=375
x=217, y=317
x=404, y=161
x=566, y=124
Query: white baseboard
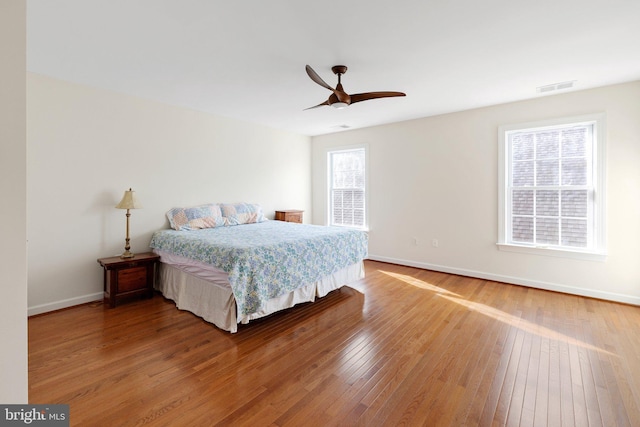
x=58, y=305
x=609, y=296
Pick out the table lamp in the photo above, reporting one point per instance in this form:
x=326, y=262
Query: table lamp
x=128, y=201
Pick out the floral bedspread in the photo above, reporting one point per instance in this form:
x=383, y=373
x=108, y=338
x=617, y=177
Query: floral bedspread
x=267, y=259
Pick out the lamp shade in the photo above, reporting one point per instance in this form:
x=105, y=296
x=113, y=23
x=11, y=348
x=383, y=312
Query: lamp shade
x=129, y=201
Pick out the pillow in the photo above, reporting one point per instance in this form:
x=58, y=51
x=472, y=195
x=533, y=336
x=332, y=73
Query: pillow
x=242, y=213
x=196, y=217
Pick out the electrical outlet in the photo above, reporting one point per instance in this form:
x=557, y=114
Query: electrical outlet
x=434, y=243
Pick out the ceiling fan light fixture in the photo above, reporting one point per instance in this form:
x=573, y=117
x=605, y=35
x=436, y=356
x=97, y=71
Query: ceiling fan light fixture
x=339, y=96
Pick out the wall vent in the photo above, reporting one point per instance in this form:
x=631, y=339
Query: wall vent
x=555, y=86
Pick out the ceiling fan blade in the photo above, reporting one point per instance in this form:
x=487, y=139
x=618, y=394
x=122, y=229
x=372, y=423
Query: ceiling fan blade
x=316, y=78
x=319, y=105
x=374, y=95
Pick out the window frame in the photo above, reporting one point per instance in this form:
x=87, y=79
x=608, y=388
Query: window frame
x=329, y=181
x=598, y=249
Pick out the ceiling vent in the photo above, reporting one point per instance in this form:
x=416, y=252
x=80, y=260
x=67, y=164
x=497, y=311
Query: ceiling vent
x=555, y=86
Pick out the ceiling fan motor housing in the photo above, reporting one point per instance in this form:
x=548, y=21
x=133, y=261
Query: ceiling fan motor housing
x=339, y=69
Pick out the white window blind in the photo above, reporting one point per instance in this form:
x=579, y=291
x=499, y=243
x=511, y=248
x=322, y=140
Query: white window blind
x=551, y=191
x=347, y=175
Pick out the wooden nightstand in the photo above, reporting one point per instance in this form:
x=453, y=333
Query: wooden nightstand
x=128, y=278
x=289, y=216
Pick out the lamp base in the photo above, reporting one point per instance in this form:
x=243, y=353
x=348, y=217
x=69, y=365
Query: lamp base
x=127, y=254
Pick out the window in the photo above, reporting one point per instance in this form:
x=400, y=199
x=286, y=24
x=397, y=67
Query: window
x=347, y=187
x=552, y=187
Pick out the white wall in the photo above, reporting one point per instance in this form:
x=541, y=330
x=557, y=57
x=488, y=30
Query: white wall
x=437, y=178
x=86, y=146
x=13, y=215
x=429, y=178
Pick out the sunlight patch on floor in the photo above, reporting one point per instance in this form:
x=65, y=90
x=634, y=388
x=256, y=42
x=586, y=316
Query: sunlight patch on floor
x=523, y=324
x=418, y=283
x=494, y=313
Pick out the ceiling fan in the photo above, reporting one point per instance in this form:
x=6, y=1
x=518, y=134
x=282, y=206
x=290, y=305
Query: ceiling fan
x=339, y=98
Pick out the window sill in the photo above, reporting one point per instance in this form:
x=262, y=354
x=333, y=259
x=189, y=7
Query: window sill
x=365, y=229
x=562, y=253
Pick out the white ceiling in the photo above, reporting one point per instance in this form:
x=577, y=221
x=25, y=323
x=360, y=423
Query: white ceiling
x=246, y=59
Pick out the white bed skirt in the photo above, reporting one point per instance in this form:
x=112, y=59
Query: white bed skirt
x=214, y=301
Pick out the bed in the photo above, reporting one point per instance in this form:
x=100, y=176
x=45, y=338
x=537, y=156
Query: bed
x=229, y=265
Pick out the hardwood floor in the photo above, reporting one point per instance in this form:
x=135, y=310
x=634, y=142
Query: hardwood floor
x=402, y=347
